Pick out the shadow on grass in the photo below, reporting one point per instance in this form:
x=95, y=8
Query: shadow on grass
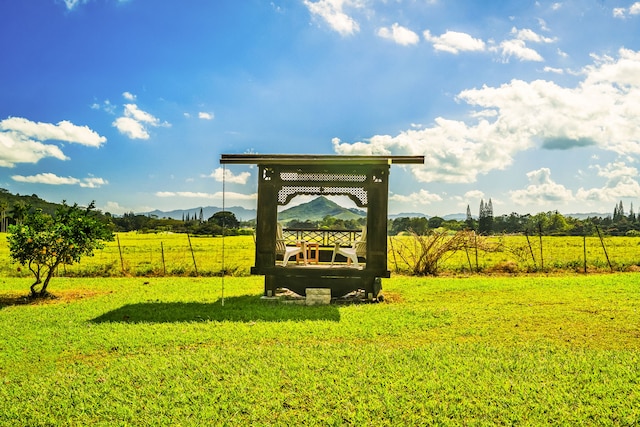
x=236, y=309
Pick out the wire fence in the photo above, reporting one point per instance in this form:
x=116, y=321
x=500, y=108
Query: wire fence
x=167, y=254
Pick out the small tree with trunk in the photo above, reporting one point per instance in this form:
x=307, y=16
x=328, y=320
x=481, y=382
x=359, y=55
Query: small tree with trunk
x=43, y=242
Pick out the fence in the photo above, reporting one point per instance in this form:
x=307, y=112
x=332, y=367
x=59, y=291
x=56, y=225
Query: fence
x=179, y=254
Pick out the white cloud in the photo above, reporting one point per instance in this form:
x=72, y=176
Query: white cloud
x=621, y=12
x=129, y=96
x=53, y=179
x=131, y=128
x=518, y=49
x=530, y=36
x=553, y=70
x=205, y=116
x=134, y=122
x=400, y=35
x=332, y=12
x=621, y=182
x=71, y=4
x=63, y=131
x=421, y=197
x=600, y=111
x=474, y=194
x=454, y=42
x=23, y=141
x=542, y=190
x=221, y=174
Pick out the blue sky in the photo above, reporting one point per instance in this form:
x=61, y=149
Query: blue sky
x=130, y=103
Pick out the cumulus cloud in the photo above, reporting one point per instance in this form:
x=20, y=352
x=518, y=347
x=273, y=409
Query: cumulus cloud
x=400, y=35
x=422, y=197
x=518, y=49
x=600, y=111
x=332, y=12
x=542, y=190
x=620, y=182
x=221, y=174
x=621, y=12
x=134, y=122
x=454, y=42
x=205, y=116
x=24, y=141
x=53, y=179
x=527, y=34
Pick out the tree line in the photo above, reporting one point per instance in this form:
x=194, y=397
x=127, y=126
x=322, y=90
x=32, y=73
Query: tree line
x=13, y=209
x=621, y=223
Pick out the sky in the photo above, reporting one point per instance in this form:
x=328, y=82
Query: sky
x=532, y=104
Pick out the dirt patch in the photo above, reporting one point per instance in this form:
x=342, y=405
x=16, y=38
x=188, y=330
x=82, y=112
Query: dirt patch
x=63, y=296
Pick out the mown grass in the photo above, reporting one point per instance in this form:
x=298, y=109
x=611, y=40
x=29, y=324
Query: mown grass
x=531, y=350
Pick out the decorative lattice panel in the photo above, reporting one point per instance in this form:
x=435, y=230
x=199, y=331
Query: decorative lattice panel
x=357, y=194
x=321, y=177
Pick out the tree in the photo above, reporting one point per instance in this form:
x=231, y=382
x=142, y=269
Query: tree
x=225, y=219
x=469, y=222
x=485, y=219
x=43, y=242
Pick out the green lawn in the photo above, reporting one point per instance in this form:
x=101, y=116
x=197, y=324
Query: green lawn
x=561, y=350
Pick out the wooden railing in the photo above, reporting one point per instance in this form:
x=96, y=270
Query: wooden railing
x=326, y=238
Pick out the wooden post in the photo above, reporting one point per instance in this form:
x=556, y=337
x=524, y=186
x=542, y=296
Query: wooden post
x=541, y=251
x=584, y=246
x=531, y=250
x=164, y=266
x=120, y=252
x=192, y=254
x=604, y=248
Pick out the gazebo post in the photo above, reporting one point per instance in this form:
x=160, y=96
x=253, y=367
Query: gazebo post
x=377, y=224
x=266, y=223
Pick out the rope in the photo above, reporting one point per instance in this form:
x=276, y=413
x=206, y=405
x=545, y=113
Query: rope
x=224, y=226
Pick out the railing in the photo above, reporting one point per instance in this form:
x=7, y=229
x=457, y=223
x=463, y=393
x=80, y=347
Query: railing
x=327, y=238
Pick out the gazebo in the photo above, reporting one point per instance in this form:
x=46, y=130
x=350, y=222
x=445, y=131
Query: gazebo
x=364, y=179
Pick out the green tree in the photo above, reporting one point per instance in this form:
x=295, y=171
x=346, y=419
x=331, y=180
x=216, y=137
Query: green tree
x=43, y=242
x=224, y=219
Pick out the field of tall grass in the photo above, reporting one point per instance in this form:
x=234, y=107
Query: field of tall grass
x=526, y=350
x=167, y=254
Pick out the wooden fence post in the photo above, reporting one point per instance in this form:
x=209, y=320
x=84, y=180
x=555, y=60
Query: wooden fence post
x=164, y=267
x=604, y=248
x=192, y=254
x=120, y=252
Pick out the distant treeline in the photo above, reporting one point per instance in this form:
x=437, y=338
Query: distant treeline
x=620, y=223
x=550, y=223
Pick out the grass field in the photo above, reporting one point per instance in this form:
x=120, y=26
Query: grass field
x=167, y=254
x=529, y=350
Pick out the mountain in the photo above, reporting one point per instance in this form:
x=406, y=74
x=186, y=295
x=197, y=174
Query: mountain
x=408, y=215
x=317, y=209
x=207, y=212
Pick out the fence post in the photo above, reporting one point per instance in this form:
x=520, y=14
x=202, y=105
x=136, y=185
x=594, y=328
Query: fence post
x=120, y=252
x=164, y=267
x=541, y=251
x=584, y=245
x=531, y=250
x=192, y=255
x=604, y=248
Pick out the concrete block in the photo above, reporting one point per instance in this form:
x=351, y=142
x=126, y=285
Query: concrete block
x=317, y=296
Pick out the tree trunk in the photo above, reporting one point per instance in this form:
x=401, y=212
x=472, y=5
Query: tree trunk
x=52, y=269
x=34, y=293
